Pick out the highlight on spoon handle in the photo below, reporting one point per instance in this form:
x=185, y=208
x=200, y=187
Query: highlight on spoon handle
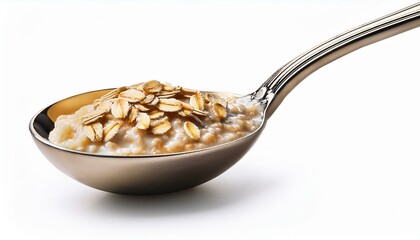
x=282, y=82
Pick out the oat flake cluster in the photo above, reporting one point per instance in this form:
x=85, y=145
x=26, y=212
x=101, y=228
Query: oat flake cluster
x=149, y=105
x=154, y=118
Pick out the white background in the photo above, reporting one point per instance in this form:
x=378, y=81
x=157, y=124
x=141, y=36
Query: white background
x=338, y=160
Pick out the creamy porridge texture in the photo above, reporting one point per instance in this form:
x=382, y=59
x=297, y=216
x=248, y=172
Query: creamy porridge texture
x=154, y=118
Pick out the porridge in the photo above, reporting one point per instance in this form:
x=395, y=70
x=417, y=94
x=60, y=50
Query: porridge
x=154, y=118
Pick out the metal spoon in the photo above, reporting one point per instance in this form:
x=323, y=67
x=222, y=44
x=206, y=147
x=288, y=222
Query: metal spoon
x=153, y=174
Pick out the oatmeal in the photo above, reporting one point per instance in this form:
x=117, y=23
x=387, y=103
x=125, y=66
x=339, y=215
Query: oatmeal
x=154, y=118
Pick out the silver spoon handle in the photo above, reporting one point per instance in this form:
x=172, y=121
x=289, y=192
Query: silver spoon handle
x=282, y=82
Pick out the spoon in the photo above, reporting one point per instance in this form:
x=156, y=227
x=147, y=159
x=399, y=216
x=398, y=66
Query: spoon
x=162, y=173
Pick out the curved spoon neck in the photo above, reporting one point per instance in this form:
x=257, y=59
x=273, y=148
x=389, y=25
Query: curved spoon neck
x=282, y=82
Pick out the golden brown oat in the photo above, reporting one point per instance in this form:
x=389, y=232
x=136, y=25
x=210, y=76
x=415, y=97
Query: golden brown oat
x=197, y=101
x=187, y=91
x=111, y=94
x=169, y=105
x=149, y=98
x=155, y=101
x=110, y=130
x=94, y=132
x=186, y=106
x=216, y=99
x=168, y=94
x=184, y=112
x=105, y=105
x=192, y=130
x=143, y=121
x=120, y=108
x=133, y=114
x=156, y=114
x=93, y=116
x=199, y=112
x=156, y=122
x=141, y=107
x=167, y=87
x=152, y=86
x=132, y=95
x=162, y=127
x=219, y=111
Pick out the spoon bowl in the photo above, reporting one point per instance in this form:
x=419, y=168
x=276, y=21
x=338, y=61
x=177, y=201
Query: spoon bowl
x=162, y=173
x=142, y=174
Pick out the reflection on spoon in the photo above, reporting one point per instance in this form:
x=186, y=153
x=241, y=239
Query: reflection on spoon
x=152, y=174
